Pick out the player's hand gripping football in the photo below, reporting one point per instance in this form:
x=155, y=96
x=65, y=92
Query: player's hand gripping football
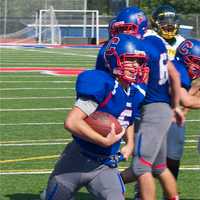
x=113, y=137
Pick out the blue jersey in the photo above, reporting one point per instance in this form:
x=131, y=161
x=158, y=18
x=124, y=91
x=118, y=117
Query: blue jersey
x=103, y=88
x=158, y=85
x=100, y=62
x=138, y=92
x=186, y=81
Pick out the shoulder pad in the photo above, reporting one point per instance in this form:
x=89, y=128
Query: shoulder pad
x=94, y=85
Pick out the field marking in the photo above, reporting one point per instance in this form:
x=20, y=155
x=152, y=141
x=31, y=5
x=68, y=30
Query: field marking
x=28, y=76
x=48, y=171
x=43, y=140
x=32, y=109
x=9, y=89
x=52, y=123
x=56, y=52
x=57, y=143
x=52, y=140
x=34, y=144
x=26, y=98
x=32, y=123
x=64, y=81
x=35, y=64
x=29, y=159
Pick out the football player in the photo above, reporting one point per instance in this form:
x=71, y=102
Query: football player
x=91, y=160
x=150, y=149
x=187, y=62
x=158, y=93
x=165, y=23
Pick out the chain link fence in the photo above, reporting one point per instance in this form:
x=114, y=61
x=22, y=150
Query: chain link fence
x=16, y=15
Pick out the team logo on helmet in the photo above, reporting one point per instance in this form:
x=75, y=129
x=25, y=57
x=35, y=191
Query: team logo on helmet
x=185, y=46
x=140, y=17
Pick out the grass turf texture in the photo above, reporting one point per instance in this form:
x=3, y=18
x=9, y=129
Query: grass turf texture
x=38, y=137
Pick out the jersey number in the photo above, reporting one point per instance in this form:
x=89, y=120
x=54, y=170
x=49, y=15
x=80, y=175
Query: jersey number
x=163, y=69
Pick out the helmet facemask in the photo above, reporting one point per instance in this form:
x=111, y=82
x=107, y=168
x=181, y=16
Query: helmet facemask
x=167, y=25
x=193, y=65
x=130, y=68
x=126, y=28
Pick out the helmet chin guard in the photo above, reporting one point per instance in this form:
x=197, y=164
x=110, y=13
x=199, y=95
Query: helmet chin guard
x=165, y=22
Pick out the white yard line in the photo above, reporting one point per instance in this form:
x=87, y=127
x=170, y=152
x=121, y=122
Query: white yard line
x=60, y=53
x=42, y=140
x=34, y=144
x=32, y=109
x=56, y=143
x=37, y=81
x=32, y=123
x=51, y=141
x=27, y=76
x=51, y=123
x=190, y=147
x=192, y=120
x=26, y=98
x=48, y=171
x=11, y=89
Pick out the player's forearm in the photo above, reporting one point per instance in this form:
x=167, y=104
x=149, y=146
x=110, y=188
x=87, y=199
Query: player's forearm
x=175, y=88
x=191, y=102
x=191, y=99
x=78, y=127
x=175, y=85
x=130, y=136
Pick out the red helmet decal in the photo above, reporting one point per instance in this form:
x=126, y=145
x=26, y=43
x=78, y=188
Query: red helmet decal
x=185, y=46
x=140, y=18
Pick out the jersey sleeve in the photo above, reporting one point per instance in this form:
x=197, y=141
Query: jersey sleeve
x=154, y=45
x=100, y=62
x=184, y=76
x=93, y=85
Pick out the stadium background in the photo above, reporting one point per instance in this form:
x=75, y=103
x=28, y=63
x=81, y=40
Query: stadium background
x=37, y=90
x=16, y=15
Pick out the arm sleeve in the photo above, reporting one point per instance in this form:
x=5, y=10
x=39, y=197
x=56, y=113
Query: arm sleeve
x=87, y=106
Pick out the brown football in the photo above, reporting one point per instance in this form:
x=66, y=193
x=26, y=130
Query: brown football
x=101, y=122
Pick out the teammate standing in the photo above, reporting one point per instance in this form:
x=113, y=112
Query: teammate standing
x=165, y=23
x=157, y=97
x=187, y=62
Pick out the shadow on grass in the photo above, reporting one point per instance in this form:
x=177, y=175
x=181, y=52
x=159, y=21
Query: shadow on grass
x=79, y=196
x=29, y=196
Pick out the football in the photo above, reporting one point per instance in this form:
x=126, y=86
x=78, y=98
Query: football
x=101, y=122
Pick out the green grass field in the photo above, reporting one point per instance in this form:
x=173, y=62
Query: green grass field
x=33, y=108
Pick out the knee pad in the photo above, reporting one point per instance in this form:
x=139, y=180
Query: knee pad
x=140, y=166
x=157, y=170
x=56, y=190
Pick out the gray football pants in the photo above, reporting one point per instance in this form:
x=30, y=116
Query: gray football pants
x=175, y=141
x=150, y=145
x=74, y=170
